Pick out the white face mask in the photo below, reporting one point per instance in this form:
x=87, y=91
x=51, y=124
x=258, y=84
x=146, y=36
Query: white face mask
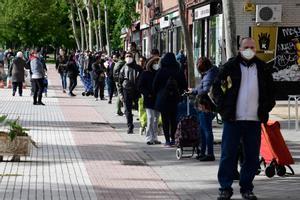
x=128, y=60
x=248, y=54
x=156, y=67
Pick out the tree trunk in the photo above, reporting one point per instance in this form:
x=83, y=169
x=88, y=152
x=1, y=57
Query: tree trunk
x=89, y=19
x=72, y=16
x=95, y=28
x=230, y=29
x=85, y=30
x=81, y=26
x=106, y=28
x=188, y=43
x=99, y=25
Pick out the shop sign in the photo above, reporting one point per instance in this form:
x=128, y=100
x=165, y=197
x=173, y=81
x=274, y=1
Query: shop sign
x=165, y=22
x=202, y=12
x=144, y=26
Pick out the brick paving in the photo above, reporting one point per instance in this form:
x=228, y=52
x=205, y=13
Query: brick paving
x=81, y=148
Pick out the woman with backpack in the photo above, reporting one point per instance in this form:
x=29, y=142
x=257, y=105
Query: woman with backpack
x=169, y=83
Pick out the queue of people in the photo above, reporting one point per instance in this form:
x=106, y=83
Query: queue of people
x=241, y=91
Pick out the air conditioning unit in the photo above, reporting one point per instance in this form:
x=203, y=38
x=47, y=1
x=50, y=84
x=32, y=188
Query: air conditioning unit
x=268, y=13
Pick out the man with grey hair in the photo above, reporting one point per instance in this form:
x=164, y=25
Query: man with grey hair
x=17, y=73
x=244, y=95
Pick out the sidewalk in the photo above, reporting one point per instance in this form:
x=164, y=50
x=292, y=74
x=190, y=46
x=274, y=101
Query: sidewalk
x=85, y=153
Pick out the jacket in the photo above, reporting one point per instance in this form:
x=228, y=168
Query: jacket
x=117, y=68
x=145, y=88
x=226, y=99
x=37, y=68
x=128, y=78
x=98, y=71
x=159, y=83
x=72, y=69
x=61, y=64
x=206, y=82
x=17, y=70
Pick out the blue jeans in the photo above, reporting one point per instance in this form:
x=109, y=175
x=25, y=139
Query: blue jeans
x=250, y=134
x=207, y=136
x=63, y=76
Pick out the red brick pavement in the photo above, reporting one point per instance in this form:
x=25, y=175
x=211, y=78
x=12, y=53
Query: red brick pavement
x=102, y=149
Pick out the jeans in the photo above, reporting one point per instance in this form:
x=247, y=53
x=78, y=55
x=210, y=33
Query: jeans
x=73, y=83
x=206, y=132
x=128, y=102
x=152, y=125
x=17, y=85
x=99, y=88
x=119, y=103
x=63, y=76
x=38, y=88
x=169, y=124
x=250, y=134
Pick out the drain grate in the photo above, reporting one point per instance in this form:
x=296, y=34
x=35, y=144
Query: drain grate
x=133, y=162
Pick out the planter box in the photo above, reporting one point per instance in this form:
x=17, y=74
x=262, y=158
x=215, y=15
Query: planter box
x=19, y=146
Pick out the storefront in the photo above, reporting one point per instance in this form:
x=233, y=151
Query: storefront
x=171, y=37
x=208, y=32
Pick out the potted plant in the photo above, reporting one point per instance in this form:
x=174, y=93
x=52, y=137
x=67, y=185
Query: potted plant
x=15, y=141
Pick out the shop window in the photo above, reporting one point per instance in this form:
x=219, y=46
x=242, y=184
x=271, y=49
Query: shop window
x=215, y=39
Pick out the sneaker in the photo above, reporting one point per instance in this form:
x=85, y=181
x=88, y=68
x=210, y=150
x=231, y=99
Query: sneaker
x=14, y=93
x=35, y=103
x=40, y=103
x=103, y=99
x=130, y=131
x=96, y=99
x=157, y=142
x=249, y=195
x=64, y=91
x=200, y=156
x=109, y=102
x=172, y=143
x=208, y=158
x=120, y=113
x=225, y=195
x=167, y=144
x=150, y=143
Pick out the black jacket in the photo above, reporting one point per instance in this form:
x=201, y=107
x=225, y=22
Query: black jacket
x=159, y=84
x=227, y=101
x=128, y=78
x=145, y=88
x=98, y=71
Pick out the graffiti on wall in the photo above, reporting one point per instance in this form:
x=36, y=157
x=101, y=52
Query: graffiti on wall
x=287, y=54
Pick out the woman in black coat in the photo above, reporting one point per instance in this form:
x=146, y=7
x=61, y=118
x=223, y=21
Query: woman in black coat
x=72, y=71
x=145, y=87
x=169, y=77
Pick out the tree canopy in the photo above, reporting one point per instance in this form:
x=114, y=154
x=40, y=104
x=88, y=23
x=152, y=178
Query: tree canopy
x=38, y=23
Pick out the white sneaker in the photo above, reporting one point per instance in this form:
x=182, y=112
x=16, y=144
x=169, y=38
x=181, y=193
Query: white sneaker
x=96, y=99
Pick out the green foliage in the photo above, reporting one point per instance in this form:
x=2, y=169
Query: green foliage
x=35, y=23
x=15, y=128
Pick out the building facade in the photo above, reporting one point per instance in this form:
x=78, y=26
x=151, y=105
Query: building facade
x=274, y=24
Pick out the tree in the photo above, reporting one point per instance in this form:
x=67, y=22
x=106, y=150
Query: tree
x=188, y=43
x=230, y=28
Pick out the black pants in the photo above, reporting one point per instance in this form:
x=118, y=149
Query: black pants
x=38, y=88
x=169, y=124
x=99, y=88
x=111, y=86
x=17, y=85
x=73, y=83
x=129, y=99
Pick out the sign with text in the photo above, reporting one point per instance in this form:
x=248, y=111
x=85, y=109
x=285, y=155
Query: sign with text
x=202, y=12
x=288, y=54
